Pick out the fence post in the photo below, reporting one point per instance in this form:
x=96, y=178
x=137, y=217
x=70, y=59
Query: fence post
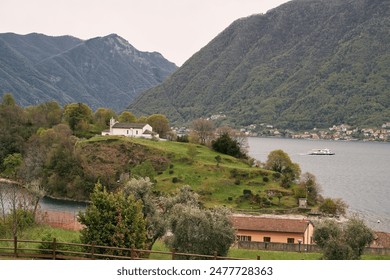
x=132, y=252
x=258, y=257
x=15, y=246
x=173, y=253
x=93, y=250
x=215, y=255
x=54, y=248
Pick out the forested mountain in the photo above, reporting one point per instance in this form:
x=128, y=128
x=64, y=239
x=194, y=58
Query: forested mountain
x=101, y=72
x=304, y=64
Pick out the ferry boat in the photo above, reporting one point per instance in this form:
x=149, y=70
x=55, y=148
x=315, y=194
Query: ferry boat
x=321, y=152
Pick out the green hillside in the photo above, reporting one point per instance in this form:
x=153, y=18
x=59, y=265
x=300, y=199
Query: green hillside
x=304, y=64
x=105, y=158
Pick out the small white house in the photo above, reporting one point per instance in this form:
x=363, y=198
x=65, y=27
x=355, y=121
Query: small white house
x=141, y=130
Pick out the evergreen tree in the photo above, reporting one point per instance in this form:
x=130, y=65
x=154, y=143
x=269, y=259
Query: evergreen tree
x=113, y=219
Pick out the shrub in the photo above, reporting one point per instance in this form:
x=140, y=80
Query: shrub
x=226, y=145
x=247, y=193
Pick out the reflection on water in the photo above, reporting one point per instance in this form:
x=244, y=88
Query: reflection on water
x=48, y=203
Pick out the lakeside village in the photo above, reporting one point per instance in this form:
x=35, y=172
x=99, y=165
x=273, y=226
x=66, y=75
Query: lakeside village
x=336, y=132
x=343, y=132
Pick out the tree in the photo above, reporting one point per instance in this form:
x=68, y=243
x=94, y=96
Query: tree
x=201, y=231
x=312, y=189
x=192, y=151
x=78, y=116
x=143, y=170
x=226, y=145
x=127, y=117
x=102, y=117
x=357, y=236
x=343, y=242
x=155, y=218
x=16, y=205
x=197, y=230
x=160, y=124
x=113, y=219
x=279, y=161
x=14, y=126
x=203, y=130
x=45, y=115
x=333, y=206
x=218, y=159
x=12, y=164
x=238, y=136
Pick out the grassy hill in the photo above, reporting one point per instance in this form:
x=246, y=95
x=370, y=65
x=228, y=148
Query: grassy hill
x=234, y=183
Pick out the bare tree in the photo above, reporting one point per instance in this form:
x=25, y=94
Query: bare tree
x=17, y=203
x=203, y=129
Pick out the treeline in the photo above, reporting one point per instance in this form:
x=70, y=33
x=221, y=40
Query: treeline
x=38, y=143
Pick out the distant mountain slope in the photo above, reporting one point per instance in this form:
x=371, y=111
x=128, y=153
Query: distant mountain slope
x=305, y=64
x=101, y=72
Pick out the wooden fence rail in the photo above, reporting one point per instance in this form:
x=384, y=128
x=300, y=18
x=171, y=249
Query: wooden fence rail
x=15, y=248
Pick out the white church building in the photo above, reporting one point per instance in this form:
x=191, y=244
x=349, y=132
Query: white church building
x=140, y=130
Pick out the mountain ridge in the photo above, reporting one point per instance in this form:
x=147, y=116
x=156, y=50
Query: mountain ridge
x=101, y=72
x=304, y=64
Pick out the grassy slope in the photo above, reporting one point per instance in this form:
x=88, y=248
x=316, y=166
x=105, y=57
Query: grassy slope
x=215, y=184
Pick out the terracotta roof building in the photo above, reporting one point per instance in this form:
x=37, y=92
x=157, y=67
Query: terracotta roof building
x=281, y=230
x=382, y=240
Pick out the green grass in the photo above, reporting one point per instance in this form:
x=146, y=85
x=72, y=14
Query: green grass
x=38, y=232
x=217, y=185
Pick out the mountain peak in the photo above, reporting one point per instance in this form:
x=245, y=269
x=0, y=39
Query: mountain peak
x=304, y=64
x=101, y=72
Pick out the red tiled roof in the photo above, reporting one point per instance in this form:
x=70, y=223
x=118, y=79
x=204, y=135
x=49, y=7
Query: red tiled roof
x=269, y=224
x=382, y=239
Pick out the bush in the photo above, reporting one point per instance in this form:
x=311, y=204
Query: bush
x=226, y=145
x=175, y=180
x=247, y=193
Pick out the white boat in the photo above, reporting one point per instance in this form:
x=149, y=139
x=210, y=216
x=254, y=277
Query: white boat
x=321, y=152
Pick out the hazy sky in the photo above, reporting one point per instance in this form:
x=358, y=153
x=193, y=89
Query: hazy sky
x=175, y=28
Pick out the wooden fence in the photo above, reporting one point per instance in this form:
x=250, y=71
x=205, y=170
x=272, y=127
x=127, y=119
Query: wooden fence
x=33, y=249
x=308, y=248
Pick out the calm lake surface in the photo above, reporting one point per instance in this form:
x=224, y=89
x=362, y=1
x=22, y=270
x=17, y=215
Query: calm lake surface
x=359, y=172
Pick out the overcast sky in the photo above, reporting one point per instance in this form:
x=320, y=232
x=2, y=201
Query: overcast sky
x=175, y=28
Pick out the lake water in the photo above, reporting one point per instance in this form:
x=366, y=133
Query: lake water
x=48, y=203
x=358, y=173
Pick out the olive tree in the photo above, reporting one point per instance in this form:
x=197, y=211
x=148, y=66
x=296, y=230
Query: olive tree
x=343, y=242
x=154, y=216
x=197, y=230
